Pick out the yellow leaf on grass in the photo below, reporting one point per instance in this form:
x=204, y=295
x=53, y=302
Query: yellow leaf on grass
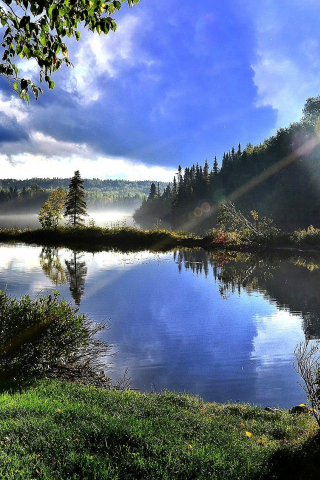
x=248, y=434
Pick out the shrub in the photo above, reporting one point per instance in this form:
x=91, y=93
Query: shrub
x=311, y=236
x=257, y=230
x=307, y=365
x=45, y=335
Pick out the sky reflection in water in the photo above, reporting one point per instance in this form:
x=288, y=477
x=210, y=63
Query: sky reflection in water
x=172, y=327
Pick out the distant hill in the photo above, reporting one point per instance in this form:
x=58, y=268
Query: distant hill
x=27, y=196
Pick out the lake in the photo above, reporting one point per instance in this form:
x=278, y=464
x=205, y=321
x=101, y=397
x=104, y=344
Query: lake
x=221, y=325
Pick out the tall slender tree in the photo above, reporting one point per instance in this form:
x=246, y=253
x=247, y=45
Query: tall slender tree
x=75, y=205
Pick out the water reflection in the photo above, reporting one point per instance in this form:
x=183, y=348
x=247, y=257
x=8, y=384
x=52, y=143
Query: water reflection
x=52, y=266
x=291, y=280
x=75, y=270
x=223, y=325
x=76, y=274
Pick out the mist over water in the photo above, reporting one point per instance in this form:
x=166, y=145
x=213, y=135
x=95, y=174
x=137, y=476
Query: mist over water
x=111, y=218
x=106, y=218
x=19, y=221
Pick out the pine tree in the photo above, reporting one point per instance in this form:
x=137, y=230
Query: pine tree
x=215, y=169
x=75, y=205
x=152, y=192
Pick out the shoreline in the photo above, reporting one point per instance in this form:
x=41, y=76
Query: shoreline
x=87, y=432
x=132, y=239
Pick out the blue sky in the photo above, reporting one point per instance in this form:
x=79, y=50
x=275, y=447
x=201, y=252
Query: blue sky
x=176, y=84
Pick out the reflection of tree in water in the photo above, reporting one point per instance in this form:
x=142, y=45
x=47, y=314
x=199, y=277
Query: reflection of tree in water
x=289, y=279
x=76, y=273
x=233, y=270
x=51, y=265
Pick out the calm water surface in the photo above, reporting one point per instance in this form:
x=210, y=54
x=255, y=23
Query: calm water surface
x=223, y=326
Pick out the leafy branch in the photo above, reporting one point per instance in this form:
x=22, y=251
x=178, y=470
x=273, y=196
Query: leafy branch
x=36, y=30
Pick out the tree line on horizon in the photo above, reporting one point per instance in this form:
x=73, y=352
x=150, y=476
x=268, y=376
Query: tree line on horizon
x=27, y=196
x=279, y=178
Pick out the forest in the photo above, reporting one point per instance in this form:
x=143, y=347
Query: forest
x=279, y=178
x=27, y=196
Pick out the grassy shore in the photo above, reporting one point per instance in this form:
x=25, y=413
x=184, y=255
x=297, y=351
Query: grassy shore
x=61, y=430
x=125, y=238
x=98, y=238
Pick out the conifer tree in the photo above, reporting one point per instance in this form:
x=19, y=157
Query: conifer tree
x=75, y=205
x=153, y=191
x=215, y=169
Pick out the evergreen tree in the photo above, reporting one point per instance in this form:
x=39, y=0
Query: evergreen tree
x=75, y=205
x=239, y=152
x=215, y=169
x=153, y=191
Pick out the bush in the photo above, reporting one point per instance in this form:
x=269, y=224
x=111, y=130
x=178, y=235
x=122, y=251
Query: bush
x=307, y=365
x=257, y=231
x=220, y=237
x=311, y=236
x=44, y=335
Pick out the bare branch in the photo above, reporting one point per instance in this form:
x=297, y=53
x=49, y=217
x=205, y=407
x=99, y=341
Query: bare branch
x=307, y=365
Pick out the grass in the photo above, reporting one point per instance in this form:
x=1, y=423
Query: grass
x=59, y=430
x=125, y=238
x=98, y=238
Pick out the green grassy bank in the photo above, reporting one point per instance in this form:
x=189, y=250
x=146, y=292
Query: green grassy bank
x=61, y=430
x=157, y=239
x=98, y=238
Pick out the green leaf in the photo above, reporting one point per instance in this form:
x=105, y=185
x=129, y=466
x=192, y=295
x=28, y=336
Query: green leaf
x=43, y=39
x=77, y=35
x=51, y=10
x=15, y=85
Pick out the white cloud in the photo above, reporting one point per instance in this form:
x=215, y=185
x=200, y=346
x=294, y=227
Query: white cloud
x=277, y=336
x=105, y=55
x=13, y=108
x=70, y=157
x=286, y=70
x=51, y=147
x=282, y=85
